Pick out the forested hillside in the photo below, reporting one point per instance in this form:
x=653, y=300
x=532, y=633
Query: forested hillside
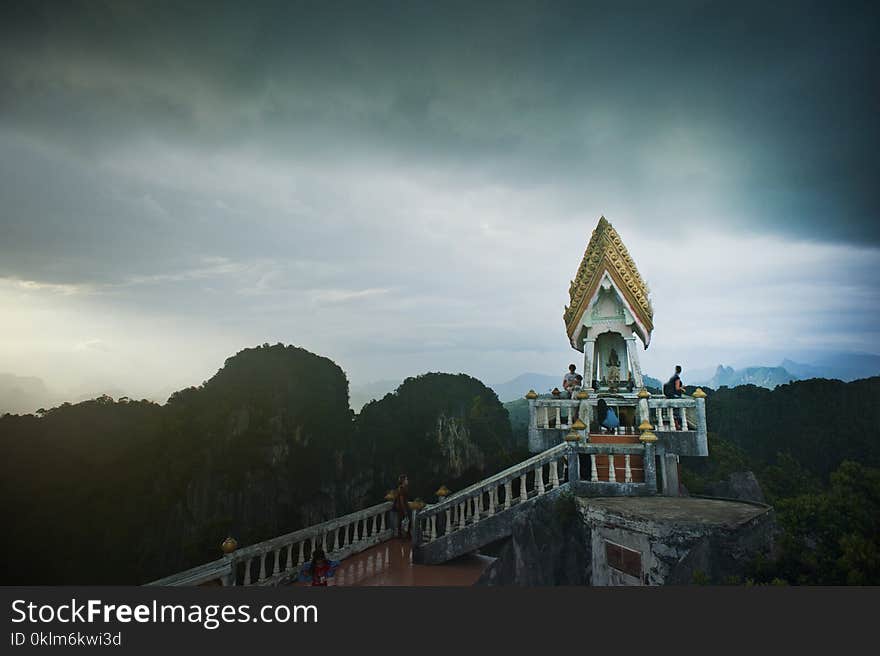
x=814, y=446
x=126, y=491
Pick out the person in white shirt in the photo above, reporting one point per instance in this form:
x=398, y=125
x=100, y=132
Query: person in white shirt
x=571, y=383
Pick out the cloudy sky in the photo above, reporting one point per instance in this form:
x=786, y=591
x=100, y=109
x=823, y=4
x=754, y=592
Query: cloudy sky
x=410, y=186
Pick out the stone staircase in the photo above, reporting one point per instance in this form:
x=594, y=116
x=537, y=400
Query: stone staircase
x=484, y=512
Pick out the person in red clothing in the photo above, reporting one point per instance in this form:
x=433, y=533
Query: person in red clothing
x=321, y=569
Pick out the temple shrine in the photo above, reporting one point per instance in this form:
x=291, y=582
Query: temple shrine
x=610, y=319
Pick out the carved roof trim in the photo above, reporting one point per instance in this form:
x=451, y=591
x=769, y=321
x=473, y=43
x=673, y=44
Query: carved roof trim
x=606, y=252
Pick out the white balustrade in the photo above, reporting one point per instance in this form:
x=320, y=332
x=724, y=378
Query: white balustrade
x=594, y=473
x=612, y=476
x=508, y=493
x=628, y=476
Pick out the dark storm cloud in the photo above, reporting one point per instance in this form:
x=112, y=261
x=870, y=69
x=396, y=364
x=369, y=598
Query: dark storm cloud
x=777, y=100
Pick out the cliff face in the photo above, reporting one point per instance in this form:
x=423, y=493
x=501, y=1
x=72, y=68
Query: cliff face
x=437, y=428
x=457, y=450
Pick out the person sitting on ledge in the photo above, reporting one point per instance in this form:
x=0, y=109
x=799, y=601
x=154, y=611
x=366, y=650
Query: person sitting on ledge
x=571, y=383
x=673, y=389
x=606, y=416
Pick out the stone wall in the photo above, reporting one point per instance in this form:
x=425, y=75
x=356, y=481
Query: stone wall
x=674, y=541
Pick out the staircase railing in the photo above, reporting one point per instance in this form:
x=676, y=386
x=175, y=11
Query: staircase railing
x=525, y=480
x=586, y=469
x=279, y=559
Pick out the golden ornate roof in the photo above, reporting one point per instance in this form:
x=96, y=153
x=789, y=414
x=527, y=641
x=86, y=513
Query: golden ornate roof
x=606, y=252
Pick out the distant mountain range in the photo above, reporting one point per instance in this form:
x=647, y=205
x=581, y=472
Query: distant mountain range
x=842, y=366
x=22, y=394
x=768, y=377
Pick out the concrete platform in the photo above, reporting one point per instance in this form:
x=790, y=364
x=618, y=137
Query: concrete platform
x=697, y=511
x=674, y=540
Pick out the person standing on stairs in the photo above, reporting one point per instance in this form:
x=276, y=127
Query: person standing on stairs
x=401, y=504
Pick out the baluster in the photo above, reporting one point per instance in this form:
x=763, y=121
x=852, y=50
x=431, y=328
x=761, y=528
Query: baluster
x=461, y=515
x=554, y=474
x=612, y=476
x=508, y=494
x=336, y=540
x=476, y=516
x=247, y=571
x=345, y=538
x=660, y=419
x=433, y=527
x=277, y=567
x=594, y=473
x=684, y=419
x=539, y=479
x=493, y=491
x=290, y=557
x=671, y=418
x=382, y=522
x=568, y=409
x=355, y=537
x=325, y=542
x=523, y=492
x=558, y=417
x=628, y=475
x=546, y=416
x=366, y=533
x=300, y=559
x=375, y=525
x=448, y=521
x=262, y=567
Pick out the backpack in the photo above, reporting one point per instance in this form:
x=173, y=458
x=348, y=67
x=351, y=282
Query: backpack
x=669, y=388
